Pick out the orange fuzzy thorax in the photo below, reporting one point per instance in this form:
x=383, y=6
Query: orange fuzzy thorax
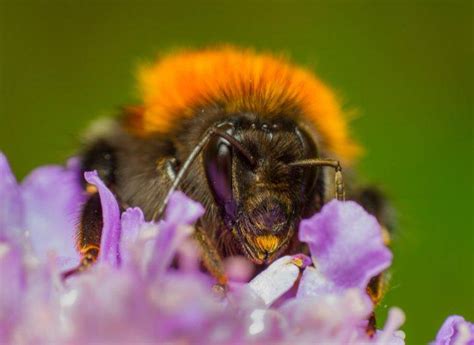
x=238, y=80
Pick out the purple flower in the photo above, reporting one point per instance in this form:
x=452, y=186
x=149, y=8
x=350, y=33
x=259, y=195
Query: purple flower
x=346, y=246
x=455, y=331
x=134, y=295
x=11, y=205
x=181, y=213
x=42, y=212
x=11, y=287
x=52, y=198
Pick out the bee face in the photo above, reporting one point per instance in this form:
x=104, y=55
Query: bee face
x=261, y=200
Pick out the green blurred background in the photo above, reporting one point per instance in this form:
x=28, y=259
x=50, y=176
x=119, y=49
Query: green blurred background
x=406, y=67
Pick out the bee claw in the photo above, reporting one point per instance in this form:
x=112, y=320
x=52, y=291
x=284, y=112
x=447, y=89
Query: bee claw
x=88, y=259
x=220, y=290
x=371, y=325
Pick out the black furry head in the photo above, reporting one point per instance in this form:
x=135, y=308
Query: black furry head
x=260, y=199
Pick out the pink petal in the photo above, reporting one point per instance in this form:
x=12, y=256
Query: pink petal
x=132, y=222
x=314, y=283
x=238, y=269
x=278, y=278
x=11, y=204
x=180, y=214
x=12, y=288
x=182, y=210
x=346, y=245
x=390, y=335
x=53, y=197
x=455, y=330
x=334, y=318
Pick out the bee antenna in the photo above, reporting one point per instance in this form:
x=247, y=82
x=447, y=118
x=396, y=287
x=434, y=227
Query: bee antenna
x=338, y=180
x=238, y=145
x=192, y=156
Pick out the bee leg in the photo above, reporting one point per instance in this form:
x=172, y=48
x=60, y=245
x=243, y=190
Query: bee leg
x=100, y=157
x=375, y=290
x=374, y=202
x=89, y=234
x=211, y=259
x=371, y=325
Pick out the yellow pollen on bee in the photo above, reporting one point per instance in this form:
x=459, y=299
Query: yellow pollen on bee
x=386, y=236
x=297, y=262
x=91, y=189
x=268, y=243
x=89, y=248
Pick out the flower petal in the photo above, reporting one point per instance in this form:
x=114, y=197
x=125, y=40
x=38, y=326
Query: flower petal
x=314, y=283
x=238, y=269
x=390, y=335
x=265, y=326
x=11, y=289
x=109, y=243
x=346, y=245
x=455, y=330
x=333, y=318
x=53, y=197
x=11, y=204
x=278, y=278
x=131, y=222
x=180, y=214
x=182, y=210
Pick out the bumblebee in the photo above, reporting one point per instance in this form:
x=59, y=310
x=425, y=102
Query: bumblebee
x=246, y=134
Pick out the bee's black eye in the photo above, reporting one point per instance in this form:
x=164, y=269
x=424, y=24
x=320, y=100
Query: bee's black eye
x=218, y=167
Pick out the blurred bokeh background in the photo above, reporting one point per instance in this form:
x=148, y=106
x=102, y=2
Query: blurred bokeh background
x=405, y=66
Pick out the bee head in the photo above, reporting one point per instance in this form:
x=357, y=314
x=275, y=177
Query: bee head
x=260, y=196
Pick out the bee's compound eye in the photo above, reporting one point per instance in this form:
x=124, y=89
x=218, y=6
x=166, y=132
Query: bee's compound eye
x=218, y=167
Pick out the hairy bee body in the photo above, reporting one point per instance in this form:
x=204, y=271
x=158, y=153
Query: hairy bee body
x=248, y=119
